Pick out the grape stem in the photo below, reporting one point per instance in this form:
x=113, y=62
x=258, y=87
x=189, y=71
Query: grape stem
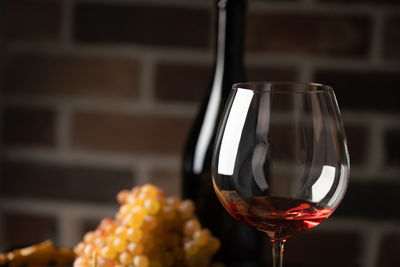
x=277, y=252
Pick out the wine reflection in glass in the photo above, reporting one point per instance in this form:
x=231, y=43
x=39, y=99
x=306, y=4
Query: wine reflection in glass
x=280, y=162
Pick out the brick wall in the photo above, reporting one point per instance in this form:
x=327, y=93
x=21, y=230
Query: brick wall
x=102, y=94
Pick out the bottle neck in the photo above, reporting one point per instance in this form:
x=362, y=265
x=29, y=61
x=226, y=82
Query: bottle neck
x=228, y=70
x=229, y=41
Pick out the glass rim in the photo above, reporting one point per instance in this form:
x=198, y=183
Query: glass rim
x=271, y=87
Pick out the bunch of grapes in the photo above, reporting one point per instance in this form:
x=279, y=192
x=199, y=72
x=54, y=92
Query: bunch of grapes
x=149, y=230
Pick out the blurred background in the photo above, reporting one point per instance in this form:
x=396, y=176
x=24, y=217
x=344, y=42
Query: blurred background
x=97, y=96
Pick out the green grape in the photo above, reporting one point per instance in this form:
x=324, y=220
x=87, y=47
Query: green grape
x=78, y=249
x=186, y=208
x=191, y=226
x=119, y=244
x=135, y=248
x=134, y=234
x=108, y=252
x=89, y=237
x=134, y=220
x=149, y=191
x=201, y=237
x=149, y=222
x=152, y=206
x=107, y=225
x=120, y=231
x=123, y=196
x=105, y=262
x=141, y=261
x=89, y=250
x=126, y=258
x=99, y=242
x=190, y=247
x=169, y=212
x=174, y=202
x=80, y=262
x=150, y=230
x=214, y=244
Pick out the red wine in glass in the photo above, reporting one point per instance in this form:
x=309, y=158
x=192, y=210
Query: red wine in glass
x=278, y=217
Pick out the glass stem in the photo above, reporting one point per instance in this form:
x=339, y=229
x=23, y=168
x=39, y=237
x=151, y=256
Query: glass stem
x=277, y=252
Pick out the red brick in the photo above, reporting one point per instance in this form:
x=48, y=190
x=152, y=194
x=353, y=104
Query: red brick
x=373, y=201
x=90, y=225
x=20, y=230
x=315, y=248
x=167, y=180
x=28, y=126
x=31, y=20
x=389, y=250
x=308, y=34
x=391, y=47
x=363, y=90
x=357, y=140
x=392, y=146
x=382, y=2
x=76, y=183
x=72, y=76
x=129, y=134
x=188, y=82
x=260, y=73
x=182, y=82
x=144, y=25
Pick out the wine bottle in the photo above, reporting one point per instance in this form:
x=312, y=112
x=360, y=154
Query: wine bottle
x=240, y=244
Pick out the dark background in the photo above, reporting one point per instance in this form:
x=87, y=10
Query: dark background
x=98, y=96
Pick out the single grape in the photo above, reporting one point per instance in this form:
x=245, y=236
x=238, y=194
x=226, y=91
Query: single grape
x=174, y=202
x=149, y=191
x=124, y=209
x=107, y=225
x=120, y=231
x=190, y=247
x=132, y=200
x=108, y=252
x=186, y=208
x=191, y=226
x=99, y=242
x=122, y=196
x=126, y=258
x=119, y=244
x=89, y=237
x=134, y=220
x=141, y=261
x=152, y=206
x=134, y=234
x=105, y=262
x=89, y=250
x=149, y=222
x=169, y=212
x=214, y=244
x=201, y=237
x=78, y=249
x=80, y=262
x=135, y=248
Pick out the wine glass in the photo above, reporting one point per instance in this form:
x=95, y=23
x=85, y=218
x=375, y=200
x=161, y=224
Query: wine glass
x=280, y=162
